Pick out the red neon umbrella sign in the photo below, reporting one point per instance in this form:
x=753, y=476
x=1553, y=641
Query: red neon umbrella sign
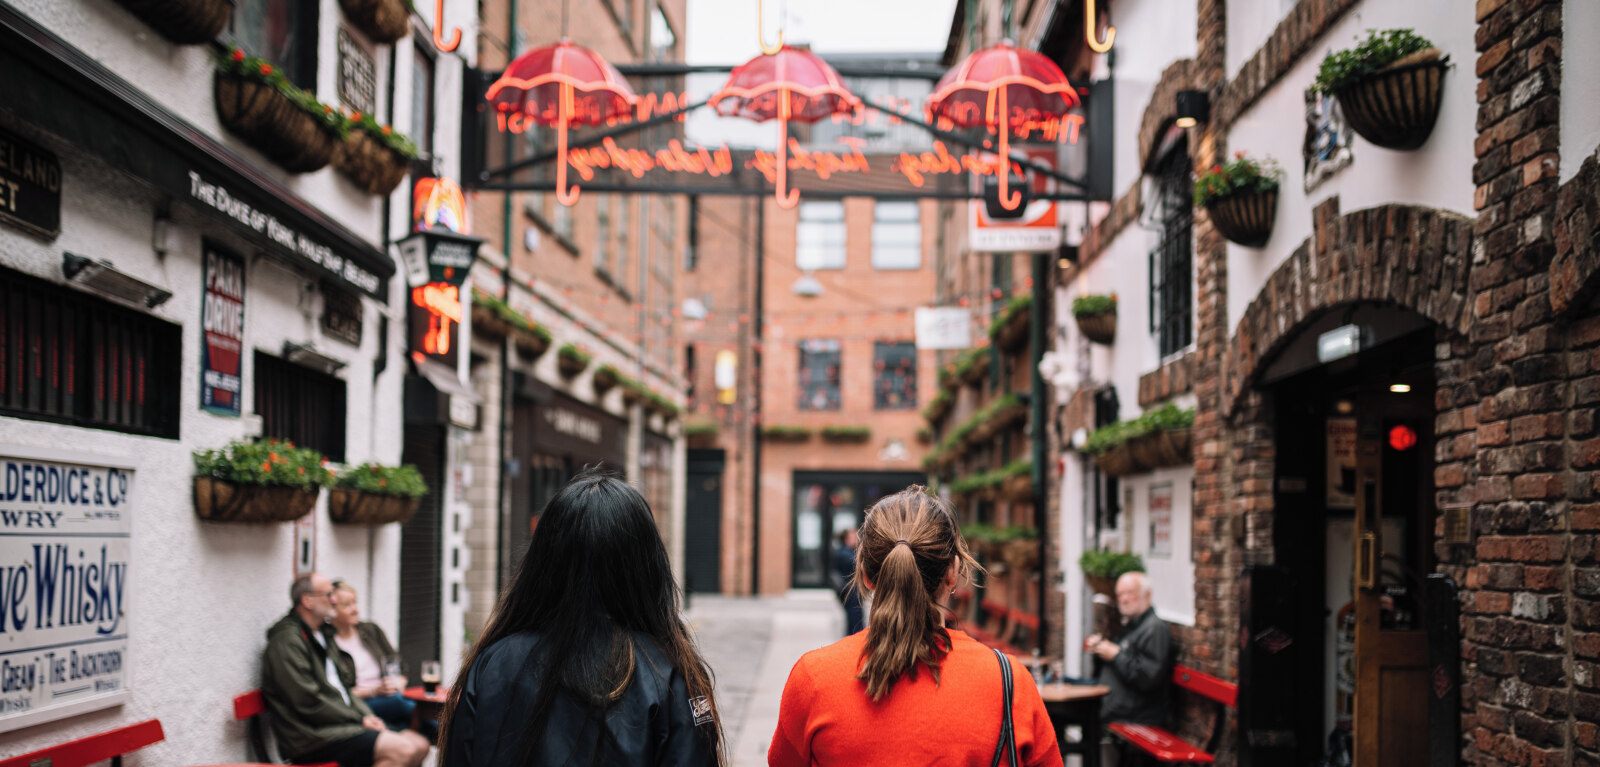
x=562, y=85
x=790, y=84
x=998, y=87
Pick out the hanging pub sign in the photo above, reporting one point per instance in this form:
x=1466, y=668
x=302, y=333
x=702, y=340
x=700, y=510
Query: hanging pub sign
x=1037, y=230
x=358, y=75
x=66, y=520
x=222, y=320
x=30, y=186
x=440, y=256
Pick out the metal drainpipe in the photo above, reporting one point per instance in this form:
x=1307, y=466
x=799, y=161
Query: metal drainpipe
x=1037, y=430
x=505, y=205
x=755, y=389
x=506, y=373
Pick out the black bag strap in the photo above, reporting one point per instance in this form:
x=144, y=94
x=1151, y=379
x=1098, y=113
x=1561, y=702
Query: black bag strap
x=1008, y=734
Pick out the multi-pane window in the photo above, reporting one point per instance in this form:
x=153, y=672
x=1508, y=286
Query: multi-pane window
x=622, y=206
x=894, y=369
x=1171, y=263
x=602, y=232
x=70, y=357
x=561, y=221
x=662, y=39
x=819, y=374
x=283, y=32
x=819, y=237
x=301, y=405
x=691, y=250
x=896, y=236
x=422, y=97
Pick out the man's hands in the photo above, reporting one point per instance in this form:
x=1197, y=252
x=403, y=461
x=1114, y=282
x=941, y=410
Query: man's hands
x=372, y=722
x=1101, y=647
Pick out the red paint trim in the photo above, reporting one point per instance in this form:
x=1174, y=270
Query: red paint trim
x=95, y=748
x=1219, y=690
x=248, y=705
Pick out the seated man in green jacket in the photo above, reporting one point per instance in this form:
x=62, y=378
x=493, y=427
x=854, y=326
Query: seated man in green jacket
x=306, y=680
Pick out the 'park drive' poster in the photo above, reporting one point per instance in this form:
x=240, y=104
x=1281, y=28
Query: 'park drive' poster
x=64, y=550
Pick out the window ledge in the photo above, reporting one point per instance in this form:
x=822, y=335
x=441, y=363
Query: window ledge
x=609, y=279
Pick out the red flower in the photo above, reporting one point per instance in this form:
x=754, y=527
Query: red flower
x=266, y=466
x=302, y=471
x=273, y=457
x=266, y=69
x=355, y=116
x=1238, y=155
x=326, y=108
x=238, y=55
x=383, y=483
x=1216, y=169
x=373, y=468
x=386, y=130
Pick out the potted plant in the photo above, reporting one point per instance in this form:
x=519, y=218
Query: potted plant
x=781, y=433
x=701, y=433
x=1102, y=568
x=1109, y=446
x=846, y=433
x=973, y=366
x=1010, y=327
x=1389, y=87
x=571, y=360
x=374, y=494
x=1242, y=198
x=185, y=22
x=382, y=21
x=1096, y=316
x=605, y=378
x=939, y=407
x=257, y=103
x=374, y=157
x=268, y=481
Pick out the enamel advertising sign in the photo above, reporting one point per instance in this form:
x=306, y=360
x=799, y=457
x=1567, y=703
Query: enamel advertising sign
x=65, y=522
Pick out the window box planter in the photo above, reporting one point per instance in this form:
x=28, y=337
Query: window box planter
x=977, y=369
x=793, y=434
x=659, y=404
x=701, y=433
x=1010, y=329
x=262, y=114
x=257, y=482
x=940, y=407
x=570, y=360
x=1021, y=554
x=216, y=500
x=924, y=436
x=1103, y=568
x=1245, y=219
x=1158, y=438
x=532, y=342
x=1097, y=317
x=370, y=164
x=1389, y=87
x=846, y=434
x=1018, y=489
x=632, y=392
x=185, y=22
x=1118, y=462
x=354, y=507
x=485, y=320
x=606, y=378
x=1177, y=446
x=382, y=21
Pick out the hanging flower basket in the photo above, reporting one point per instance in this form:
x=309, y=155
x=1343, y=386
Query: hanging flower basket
x=974, y=373
x=605, y=378
x=632, y=393
x=1021, y=553
x=1176, y=446
x=382, y=21
x=1396, y=108
x=485, y=320
x=185, y=22
x=570, y=360
x=1146, y=450
x=1100, y=584
x=261, y=113
x=846, y=434
x=1118, y=461
x=1245, y=219
x=1017, y=489
x=353, y=507
x=1099, y=328
x=218, y=501
x=372, y=166
x=530, y=344
x=1010, y=330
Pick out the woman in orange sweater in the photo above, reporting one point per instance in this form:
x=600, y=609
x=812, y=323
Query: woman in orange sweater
x=908, y=691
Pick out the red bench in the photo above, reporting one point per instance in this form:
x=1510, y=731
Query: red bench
x=93, y=749
x=1165, y=747
x=252, y=707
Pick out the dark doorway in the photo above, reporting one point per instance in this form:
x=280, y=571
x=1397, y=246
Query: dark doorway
x=420, y=568
x=702, y=529
x=826, y=503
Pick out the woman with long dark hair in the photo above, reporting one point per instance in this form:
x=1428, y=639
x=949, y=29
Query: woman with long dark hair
x=585, y=660
x=908, y=690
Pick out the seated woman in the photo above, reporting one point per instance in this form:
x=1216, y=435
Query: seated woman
x=369, y=647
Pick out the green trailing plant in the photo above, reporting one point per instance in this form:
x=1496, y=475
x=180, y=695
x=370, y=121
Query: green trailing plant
x=1109, y=564
x=993, y=477
x=504, y=311
x=270, y=462
x=939, y=406
x=383, y=134
x=663, y=405
x=1094, y=305
x=377, y=478
x=1017, y=533
x=1381, y=49
x=847, y=432
x=572, y=352
x=965, y=362
x=257, y=69
x=1017, y=305
x=779, y=431
x=701, y=429
x=1241, y=175
x=1168, y=417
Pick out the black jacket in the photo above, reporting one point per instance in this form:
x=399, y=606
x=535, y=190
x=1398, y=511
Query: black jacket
x=308, y=713
x=652, y=724
x=1140, y=677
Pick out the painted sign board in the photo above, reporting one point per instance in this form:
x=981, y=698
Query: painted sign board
x=1038, y=230
x=943, y=327
x=222, y=343
x=30, y=186
x=65, y=527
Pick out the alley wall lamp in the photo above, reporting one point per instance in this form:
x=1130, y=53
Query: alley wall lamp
x=307, y=355
x=103, y=278
x=1193, y=107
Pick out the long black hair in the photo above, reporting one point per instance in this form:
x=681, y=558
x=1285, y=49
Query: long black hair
x=595, y=573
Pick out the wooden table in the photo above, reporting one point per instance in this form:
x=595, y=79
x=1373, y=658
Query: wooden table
x=430, y=706
x=1076, y=704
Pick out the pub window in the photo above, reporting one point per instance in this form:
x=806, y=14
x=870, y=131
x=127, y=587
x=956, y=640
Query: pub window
x=602, y=232
x=301, y=405
x=819, y=237
x=622, y=204
x=894, y=367
x=896, y=236
x=819, y=374
x=283, y=32
x=1171, y=270
x=691, y=250
x=422, y=96
x=72, y=358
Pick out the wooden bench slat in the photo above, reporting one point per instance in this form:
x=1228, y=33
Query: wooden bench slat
x=95, y=748
x=1159, y=743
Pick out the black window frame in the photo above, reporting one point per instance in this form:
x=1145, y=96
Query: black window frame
x=77, y=346
x=301, y=405
x=423, y=53
x=816, y=376
x=301, y=69
x=894, y=367
x=1172, y=261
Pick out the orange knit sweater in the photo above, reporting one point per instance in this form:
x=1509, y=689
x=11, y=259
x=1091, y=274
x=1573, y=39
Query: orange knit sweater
x=827, y=719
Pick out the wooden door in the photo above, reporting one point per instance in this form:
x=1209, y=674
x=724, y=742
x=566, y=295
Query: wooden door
x=1391, y=721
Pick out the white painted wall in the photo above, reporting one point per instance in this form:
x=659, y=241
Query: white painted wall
x=1151, y=34
x=1580, y=89
x=1438, y=175
x=1172, y=574
x=1250, y=25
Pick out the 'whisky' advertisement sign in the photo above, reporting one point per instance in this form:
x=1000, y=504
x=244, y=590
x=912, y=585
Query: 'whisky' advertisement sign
x=30, y=187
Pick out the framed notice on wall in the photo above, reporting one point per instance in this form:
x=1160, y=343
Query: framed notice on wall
x=1161, y=520
x=222, y=321
x=65, y=524
x=1341, y=463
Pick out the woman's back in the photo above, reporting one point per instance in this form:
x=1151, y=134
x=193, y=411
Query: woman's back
x=652, y=723
x=828, y=718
